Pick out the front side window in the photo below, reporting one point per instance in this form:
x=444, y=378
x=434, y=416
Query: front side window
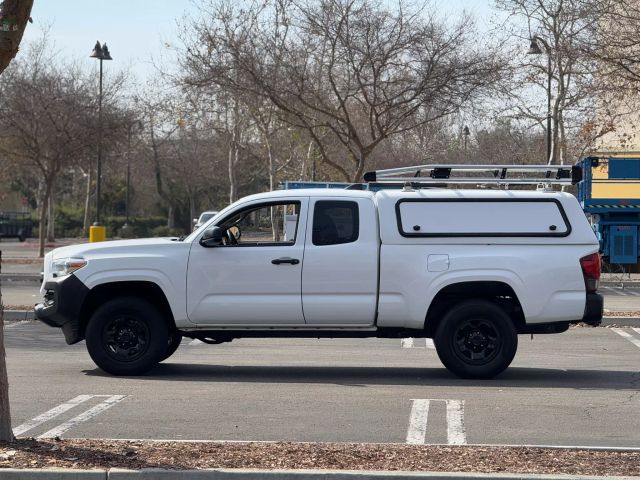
x=335, y=222
x=272, y=224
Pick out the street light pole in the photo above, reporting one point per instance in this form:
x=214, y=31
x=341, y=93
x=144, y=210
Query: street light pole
x=101, y=52
x=535, y=49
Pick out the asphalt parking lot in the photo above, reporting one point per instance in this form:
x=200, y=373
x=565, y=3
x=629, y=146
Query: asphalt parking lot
x=579, y=388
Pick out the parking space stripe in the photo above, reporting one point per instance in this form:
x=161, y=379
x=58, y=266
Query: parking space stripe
x=614, y=290
x=455, y=423
x=48, y=415
x=407, y=343
x=632, y=292
x=195, y=341
x=628, y=336
x=417, y=431
x=637, y=330
x=412, y=343
x=83, y=417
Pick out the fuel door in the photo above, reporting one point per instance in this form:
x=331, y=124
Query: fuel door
x=438, y=263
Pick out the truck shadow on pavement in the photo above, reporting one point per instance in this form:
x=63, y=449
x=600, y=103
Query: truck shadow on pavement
x=515, y=377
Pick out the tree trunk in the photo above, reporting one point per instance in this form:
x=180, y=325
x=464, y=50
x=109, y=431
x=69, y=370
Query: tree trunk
x=14, y=15
x=51, y=220
x=44, y=206
x=171, y=220
x=6, y=434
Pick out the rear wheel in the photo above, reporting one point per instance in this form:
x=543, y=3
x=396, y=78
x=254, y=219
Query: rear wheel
x=476, y=339
x=127, y=336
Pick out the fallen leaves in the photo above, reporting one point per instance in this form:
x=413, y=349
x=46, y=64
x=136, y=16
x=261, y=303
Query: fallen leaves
x=81, y=453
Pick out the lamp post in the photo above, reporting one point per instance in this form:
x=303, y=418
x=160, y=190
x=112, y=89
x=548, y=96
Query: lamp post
x=534, y=49
x=101, y=52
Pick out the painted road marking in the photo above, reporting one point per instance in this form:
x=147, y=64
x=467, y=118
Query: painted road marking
x=614, y=290
x=631, y=292
x=628, y=336
x=54, y=412
x=455, y=423
x=84, y=416
x=418, y=421
x=417, y=431
x=415, y=343
x=195, y=341
x=637, y=330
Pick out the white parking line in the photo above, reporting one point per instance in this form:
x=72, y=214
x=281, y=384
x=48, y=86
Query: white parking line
x=415, y=343
x=628, y=336
x=637, y=330
x=406, y=342
x=417, y=431
x=418, y=420
x=632, y=292
x=614, y=290
x=455, y=423
x=195, y=341
x=54, y=412
x=83, y=417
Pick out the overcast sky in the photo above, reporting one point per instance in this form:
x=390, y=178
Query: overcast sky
x=135, y=30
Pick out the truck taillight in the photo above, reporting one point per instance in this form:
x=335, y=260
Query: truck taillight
x=591, y=271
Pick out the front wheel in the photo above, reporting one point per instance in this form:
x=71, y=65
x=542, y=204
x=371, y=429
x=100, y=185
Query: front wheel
x=127, y=336
x=476, y=339
x=173, y=343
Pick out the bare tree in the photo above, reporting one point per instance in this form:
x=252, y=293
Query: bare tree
x=377, y=66
x=561, y=31
x=45, y=120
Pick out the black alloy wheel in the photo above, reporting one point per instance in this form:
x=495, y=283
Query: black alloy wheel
x=476, y=339
x=127, y=336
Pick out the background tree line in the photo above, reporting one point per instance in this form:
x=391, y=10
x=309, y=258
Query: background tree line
x=274, y=90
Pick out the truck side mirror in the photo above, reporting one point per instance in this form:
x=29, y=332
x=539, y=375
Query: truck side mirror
x=212, y=237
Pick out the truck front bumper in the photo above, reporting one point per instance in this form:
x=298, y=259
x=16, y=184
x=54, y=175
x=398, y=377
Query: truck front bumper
x=594, y=309
x=62, y=305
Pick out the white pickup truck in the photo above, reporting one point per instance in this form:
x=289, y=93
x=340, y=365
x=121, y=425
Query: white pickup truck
x=471, y=269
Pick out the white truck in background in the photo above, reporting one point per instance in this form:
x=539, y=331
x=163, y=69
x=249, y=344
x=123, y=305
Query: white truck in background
x=471, y=269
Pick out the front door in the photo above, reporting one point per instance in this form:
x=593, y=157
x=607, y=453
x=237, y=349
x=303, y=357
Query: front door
x=254, y=278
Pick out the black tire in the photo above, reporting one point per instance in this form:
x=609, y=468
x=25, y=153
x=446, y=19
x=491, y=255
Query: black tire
x=476, y=339
x=127, y=336
x=174, y=342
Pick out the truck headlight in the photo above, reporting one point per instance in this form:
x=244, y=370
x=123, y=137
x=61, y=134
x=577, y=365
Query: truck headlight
x=65, y=266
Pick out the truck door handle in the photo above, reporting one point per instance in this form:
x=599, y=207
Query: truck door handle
x=280, y=261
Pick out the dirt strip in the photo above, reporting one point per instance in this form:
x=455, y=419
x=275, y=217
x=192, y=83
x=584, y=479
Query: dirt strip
x=30, y=453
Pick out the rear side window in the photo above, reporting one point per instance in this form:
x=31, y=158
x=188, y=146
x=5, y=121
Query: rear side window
x=335, y=222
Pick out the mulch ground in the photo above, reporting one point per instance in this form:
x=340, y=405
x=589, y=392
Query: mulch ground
x=86, y=454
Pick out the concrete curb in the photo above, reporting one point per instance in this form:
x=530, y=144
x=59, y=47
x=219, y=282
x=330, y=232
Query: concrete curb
x=20, y=277
x=621, y=321
x=51, y=474
x=19, y=315
x=251, y=474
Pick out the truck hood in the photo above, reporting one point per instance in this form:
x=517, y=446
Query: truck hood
x=118, y=254
x=112, y=247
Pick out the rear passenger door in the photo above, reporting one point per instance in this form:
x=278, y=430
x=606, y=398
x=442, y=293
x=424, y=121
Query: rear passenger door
x=340, y=270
